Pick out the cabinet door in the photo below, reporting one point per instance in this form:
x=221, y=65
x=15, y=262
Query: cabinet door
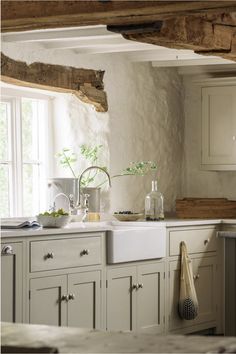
x=230, y=286
x=219, y=125
x=121, y=299
x=205, y=285
x=175, y=322
x=150, y=298
x=84, y=305
x=47, y=303
x=12, y=282
x=204, y=270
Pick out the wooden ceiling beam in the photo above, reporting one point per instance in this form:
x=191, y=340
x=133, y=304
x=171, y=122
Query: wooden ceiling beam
x=21, y=15
x=205, y=34
x=86, y=84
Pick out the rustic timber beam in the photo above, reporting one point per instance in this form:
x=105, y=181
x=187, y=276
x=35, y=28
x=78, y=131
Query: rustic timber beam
x=22, y=15
x=86, y=84
x=209, y=34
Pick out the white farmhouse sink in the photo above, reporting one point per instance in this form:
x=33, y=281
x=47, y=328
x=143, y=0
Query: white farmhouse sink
x=134, y=242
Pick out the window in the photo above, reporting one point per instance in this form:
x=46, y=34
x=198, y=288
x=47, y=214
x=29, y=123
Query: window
x=23, y=153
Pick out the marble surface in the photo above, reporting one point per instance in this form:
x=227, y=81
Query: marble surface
x=88, y=227
x=76, y=340
x=75, y=227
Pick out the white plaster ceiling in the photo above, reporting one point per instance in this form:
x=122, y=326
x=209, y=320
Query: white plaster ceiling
x=97, y=40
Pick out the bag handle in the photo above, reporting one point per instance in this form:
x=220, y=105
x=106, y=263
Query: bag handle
x=183, y=254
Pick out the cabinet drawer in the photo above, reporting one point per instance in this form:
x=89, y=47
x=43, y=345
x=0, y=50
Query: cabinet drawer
x=65, y=253
x=197, y=241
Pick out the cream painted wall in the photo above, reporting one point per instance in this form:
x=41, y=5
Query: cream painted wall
x=145, y=122
x=196, y=182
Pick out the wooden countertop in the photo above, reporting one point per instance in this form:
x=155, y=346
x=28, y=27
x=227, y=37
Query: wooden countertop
x=75, y=340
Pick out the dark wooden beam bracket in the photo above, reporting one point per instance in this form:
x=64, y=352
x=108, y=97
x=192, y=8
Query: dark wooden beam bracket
x=137, y=28
x=213, y=34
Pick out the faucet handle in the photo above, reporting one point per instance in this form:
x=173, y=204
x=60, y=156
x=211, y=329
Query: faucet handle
x=86, y=206
x=72, y=201
x=86, y=200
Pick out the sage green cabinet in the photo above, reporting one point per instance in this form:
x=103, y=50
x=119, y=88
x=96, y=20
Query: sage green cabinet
x=84, y=307
x=121, y=302
x=135, y=298
x=204, y=272
x=70, y=299
x=219, y=127
x=230, y=286
x=150, y=298
x=12, y=282
x=46, y=300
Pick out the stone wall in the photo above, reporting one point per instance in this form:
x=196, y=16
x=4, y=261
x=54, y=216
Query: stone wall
x=144, y=122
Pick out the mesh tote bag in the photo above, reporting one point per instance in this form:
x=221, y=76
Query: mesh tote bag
x=188, y=303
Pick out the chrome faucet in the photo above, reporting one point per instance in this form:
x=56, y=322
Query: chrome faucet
x=81, y=176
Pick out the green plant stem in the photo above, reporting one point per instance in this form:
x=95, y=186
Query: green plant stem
x=68, y=163
x=124, y=174
x=92, y=178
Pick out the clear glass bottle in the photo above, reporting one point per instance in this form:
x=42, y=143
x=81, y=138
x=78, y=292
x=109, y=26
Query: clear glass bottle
x=154, y=204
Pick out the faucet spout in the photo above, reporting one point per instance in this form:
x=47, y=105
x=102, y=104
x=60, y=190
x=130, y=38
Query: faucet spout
x=66, y=197
x=92, y=168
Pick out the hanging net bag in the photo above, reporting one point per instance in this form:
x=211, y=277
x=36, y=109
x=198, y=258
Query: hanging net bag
x=188, y=303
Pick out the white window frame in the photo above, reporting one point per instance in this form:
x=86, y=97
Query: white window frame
x=14, y=96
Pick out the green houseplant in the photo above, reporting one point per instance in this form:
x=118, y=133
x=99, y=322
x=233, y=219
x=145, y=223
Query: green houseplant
x=68, y=158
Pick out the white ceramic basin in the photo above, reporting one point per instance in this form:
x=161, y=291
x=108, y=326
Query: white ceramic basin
x=126, y=243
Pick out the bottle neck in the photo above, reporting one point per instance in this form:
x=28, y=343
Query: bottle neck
x=154, y=186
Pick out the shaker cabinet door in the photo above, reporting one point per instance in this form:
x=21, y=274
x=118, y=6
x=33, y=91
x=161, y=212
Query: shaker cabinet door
x=205, y=285
x=175, y=322
x=48, y=302
x=121, y=299
x=84, y=305
x=219, y=126
x=11, y=282
x=204, y=273
x=150, y=298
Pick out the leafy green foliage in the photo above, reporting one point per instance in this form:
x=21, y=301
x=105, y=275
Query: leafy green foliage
x=91, y=155
x=67, y=158
x=139, y=168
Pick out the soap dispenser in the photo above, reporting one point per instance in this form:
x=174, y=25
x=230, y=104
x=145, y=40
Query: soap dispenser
x=154, y=204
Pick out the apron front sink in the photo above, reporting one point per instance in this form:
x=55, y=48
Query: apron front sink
x=135, y=243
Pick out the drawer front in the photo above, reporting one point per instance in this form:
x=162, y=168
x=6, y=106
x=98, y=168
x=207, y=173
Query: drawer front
x=197, y=241
x=65, y=253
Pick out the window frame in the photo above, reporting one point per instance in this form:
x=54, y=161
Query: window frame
x=15, y=161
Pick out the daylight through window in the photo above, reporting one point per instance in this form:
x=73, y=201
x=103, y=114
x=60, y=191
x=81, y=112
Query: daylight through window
x=23, y=154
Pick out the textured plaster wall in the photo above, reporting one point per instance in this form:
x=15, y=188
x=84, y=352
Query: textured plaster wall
x=196, y=182
x=144, y=122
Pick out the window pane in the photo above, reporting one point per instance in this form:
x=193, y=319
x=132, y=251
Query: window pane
x=31, y=189
x=4, y=191
x=30, y=131
x=4, y=106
